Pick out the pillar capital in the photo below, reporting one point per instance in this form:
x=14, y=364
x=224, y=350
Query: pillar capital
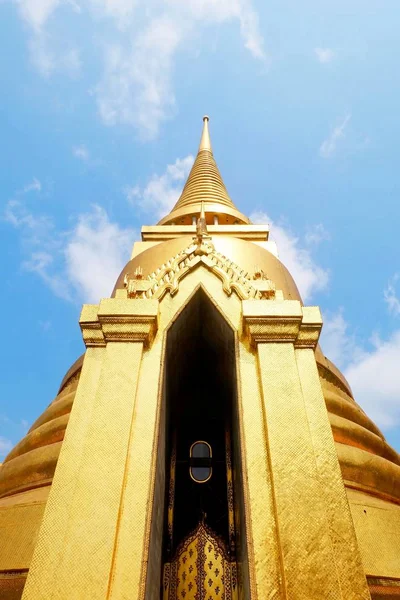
x=286, y=321
x=119, y=320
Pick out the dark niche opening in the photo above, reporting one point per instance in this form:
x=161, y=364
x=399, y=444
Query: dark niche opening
x=200, y=396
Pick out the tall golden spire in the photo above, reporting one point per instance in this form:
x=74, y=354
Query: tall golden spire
x=204, y=184
x=205, y=142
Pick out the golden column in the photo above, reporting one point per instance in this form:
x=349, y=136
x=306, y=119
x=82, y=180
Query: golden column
x=80, y=536
x=317, y=544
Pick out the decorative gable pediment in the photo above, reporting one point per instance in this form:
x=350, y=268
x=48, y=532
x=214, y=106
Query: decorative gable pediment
x=201, y=253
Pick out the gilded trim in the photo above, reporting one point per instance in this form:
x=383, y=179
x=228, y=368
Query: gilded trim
x=200, y=569
x=168, y=276
x=190, y=468
x=149, y=516
x=243, y=463
x=229, y=487
x=171, y=497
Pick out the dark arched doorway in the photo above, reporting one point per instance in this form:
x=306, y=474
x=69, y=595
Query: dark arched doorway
x=202, y=463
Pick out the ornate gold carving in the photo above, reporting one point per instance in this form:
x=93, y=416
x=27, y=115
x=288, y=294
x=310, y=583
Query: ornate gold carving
x=201, y=226
x=135, y=286
x=202, y=252
x=171, y=497
x=258, y=273
x=229, y=486
x=139, y=273
x=201, y=569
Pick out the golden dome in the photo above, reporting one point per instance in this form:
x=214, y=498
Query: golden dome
x=247, y=255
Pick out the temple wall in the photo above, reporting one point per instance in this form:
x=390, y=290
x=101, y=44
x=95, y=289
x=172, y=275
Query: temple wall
x=377, y=524
x=20, y=519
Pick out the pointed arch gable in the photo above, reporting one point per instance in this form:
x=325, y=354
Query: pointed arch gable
x=230, y=307
x=167, y=277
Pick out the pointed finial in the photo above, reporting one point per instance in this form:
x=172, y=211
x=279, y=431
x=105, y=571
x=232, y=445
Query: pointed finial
x=202, y=213
x=201, y=229
x=205, y=142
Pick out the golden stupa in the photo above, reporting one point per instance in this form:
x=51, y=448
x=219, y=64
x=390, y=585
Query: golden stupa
x=203, y=448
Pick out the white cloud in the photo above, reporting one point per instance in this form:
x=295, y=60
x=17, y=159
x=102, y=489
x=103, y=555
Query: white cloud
x=47, y=53
x=338, y=344
x=226, y=10
x=249, y=26
x=34, y=186
x=162, y=191
x=41, y=56
x=317, y=234
x=136, y=88
x=390, y=296
x=47, y=59
x=329, y=146
x=324, y=55
x=308, y=275
x=95, y=254
x=45, y=264
x=18, y=215
x=81, y=264
x=122, y=10
x=371, y=369
x=70, y=60
x=75, y=6
x=375, y=381
x=140, y=46
x=36, y=12
x=81, y=152
x=5, y=446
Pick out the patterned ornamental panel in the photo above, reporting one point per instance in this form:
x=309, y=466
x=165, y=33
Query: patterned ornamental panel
x=201, y=569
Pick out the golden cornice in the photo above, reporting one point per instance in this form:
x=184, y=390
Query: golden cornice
x=226, y=214
x=310, y=329
x=90, y=326
x=162, y=233
x=282, y=321
x=119, y=320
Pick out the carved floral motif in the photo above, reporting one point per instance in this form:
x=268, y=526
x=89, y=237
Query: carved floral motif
x=202, y=252
x=201, y=569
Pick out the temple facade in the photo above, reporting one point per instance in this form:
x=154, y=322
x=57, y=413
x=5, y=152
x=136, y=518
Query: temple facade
x=203, y=447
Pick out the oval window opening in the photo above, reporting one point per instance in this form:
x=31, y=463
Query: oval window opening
x=200, y=462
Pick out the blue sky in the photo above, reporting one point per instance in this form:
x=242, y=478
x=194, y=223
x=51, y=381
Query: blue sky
x=100, y=113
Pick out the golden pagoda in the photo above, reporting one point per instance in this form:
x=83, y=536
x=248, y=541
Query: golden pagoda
x=203, y=448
